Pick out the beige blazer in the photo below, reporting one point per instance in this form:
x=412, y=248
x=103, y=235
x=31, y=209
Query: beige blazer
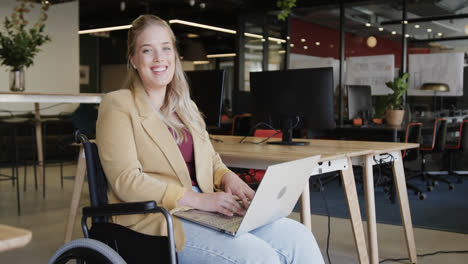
x=142, y=161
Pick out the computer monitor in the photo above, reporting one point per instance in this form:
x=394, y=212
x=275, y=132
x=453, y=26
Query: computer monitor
x=359, y=101
x=282, y=98
x=206, y=89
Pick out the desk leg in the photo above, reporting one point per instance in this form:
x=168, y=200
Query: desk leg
x=370, y=209
x=400, y=183
x=305, y=207
x=40, y=157
x=77, y=187
x=349, y=185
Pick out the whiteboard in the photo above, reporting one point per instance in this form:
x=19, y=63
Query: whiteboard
x=437, y=68
x=371, y=70
x=299, y=61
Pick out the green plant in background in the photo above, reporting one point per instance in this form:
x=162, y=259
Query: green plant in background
x=399, y=86
x=285, y=6
x=19, y=45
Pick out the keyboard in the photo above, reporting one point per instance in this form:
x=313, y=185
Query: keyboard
x=217, y=220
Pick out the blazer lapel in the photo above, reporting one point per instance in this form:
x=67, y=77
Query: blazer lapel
x=204, y=179
x=160, y=134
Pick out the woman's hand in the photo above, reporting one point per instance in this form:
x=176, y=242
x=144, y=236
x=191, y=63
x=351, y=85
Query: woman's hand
x=231, y=183
x=221, y=202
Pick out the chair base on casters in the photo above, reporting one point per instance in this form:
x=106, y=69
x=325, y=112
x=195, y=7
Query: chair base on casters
x=436, y=176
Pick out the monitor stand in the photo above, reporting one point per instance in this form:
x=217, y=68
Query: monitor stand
x=287, y=130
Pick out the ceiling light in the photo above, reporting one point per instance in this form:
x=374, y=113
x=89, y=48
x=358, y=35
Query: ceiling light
x=122, y=6
x=371, y=42
x=305, y=47
x=405, y=22
x=220, y=29
x=407, y=35
x=201, y=62
x=263, y=40
x=187, y=23
x=303, y=40
x=368, y=24
x=191, y=35
x=416, y=26
x=288, y=38
x=221, y=55
x=192, y=2
x=202, y=5
x=439, y=34
x=429, y=30
x=317, y=43
x=393, y=32
x=380, y=28
x=87, y=31
x=281, y=51
x=291, y=45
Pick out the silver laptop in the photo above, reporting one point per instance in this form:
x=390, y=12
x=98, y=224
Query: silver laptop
x=276, y=196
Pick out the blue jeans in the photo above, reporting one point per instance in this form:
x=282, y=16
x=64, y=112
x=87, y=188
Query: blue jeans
x=283, y=241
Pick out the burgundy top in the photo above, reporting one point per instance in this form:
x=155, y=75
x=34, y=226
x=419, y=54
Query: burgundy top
x=186, y=149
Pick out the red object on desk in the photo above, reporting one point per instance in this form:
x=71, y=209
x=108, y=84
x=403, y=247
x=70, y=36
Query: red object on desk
x=377, y=121
x=357, y=122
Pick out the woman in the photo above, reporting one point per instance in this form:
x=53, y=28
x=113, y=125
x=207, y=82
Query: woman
x=153, y=146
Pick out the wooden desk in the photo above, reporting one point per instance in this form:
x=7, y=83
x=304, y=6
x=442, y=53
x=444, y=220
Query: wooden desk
x=362, y=153
x=335, y=155
x=37, y=98
x=384, y=152
x=12, y=237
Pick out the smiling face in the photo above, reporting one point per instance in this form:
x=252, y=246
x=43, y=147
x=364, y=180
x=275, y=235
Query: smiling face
x=154, y=57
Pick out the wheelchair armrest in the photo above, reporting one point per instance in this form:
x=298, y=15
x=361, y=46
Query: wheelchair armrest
x=121, y=209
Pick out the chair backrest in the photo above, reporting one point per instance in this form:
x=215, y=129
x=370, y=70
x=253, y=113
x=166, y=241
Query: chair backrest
x=441, y=136
x=464, y=136
x=413, y=135
x=268, y=133
x=97, y=181
x=439, y=133
x=241, y=125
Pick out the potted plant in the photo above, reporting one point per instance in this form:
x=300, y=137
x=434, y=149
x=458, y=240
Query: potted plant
x=19, y=45
x=394, y=110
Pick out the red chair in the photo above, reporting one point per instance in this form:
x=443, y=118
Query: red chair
x=437, y=145
x=458, y=146
x=241, y=124
x=413, y=135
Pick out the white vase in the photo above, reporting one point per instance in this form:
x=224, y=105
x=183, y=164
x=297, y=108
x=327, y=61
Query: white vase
x=17, y=80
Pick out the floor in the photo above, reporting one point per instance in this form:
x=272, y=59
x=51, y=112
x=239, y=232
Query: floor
x=46, y=218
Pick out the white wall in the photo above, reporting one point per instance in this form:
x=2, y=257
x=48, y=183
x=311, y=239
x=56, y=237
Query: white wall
x=56, y=66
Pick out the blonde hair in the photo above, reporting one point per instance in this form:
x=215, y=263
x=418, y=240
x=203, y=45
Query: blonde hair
x=177, y=92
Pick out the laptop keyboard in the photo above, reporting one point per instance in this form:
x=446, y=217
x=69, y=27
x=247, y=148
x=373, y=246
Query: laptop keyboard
x=229, y=223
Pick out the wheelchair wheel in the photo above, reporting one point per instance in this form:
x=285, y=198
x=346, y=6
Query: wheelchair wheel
x=86, y=250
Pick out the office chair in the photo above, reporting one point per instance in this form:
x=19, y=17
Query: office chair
x=132, y=246
x=9, y=154
x=437, y=145
x=412, y=135
x=253, y=176
x=241, y=125
x=461, y=145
